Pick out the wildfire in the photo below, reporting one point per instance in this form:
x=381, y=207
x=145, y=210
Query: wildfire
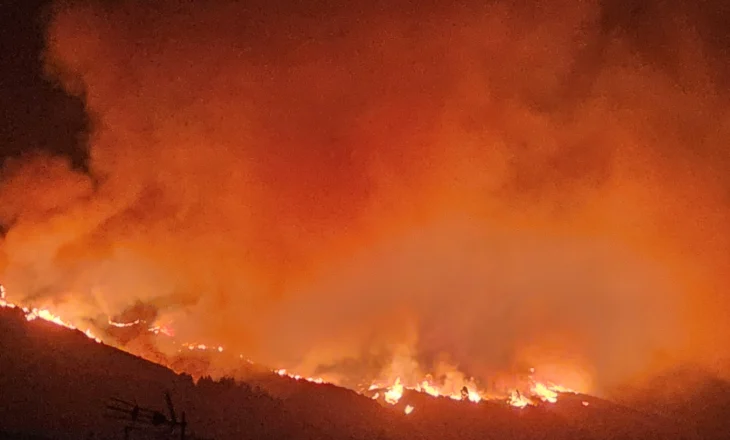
x=162, y=329
x=32, y=314
x=156, y=329
x=545, y=393
x=282, y=372
x=391, y=391
x=518, y=400
x=202, y=347
x=394, y=393
x=538, y=392
x=123, y=324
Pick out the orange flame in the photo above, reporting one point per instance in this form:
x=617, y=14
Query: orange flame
x=538, y=392
x=32, y=314
x=391, y=391
x=282, y=372
x=202, y=347
x=518, y=400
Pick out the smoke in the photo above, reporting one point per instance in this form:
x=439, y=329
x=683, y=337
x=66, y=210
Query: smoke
x=319, y=184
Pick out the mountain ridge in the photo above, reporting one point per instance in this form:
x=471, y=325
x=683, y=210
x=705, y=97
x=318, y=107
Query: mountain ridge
x=55, y=382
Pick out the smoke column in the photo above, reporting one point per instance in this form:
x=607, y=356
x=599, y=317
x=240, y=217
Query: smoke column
x=503, y=184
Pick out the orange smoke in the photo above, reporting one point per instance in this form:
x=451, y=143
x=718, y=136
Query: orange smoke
x=506, y=186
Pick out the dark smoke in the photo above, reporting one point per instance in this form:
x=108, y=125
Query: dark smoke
x=508, y=184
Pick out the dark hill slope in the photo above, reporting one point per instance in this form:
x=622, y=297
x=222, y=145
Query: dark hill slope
x=690, y=396
x=54, y=383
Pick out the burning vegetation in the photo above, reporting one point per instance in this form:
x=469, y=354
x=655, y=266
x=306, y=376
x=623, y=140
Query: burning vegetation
x=390, y=392
x=392, y=199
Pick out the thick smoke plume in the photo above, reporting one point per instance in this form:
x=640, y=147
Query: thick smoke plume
x=323, y=185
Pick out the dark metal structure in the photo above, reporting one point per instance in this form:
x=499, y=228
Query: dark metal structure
x=145, y=419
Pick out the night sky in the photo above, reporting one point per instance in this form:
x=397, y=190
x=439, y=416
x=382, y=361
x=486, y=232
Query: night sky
x=36, y=113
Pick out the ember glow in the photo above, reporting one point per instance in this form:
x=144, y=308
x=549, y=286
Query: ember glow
x=202, y=347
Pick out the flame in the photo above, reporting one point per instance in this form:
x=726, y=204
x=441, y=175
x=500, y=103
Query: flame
x=394, y=392
x=391, y=391
x=537, y=392
x=162, y=329
x=282, y=372
x=544, y=393
x=426, y=387
x=123, y=324
x=202, y=347
x=518, y=400
x=31, y=314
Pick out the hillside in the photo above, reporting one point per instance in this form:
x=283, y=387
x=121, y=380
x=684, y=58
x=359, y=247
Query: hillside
x=55, y=382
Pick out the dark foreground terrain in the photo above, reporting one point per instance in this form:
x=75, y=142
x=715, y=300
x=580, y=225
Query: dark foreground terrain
x=55, y=382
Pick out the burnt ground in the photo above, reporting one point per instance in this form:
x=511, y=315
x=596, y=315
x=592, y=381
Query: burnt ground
x=55, y=382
